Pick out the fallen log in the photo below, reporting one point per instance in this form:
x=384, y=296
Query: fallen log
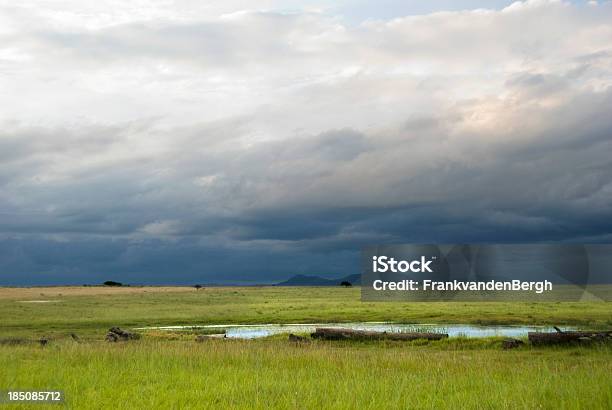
x=351, y=334
x=559, y=337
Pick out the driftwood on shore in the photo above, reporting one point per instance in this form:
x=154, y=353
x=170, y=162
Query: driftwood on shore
x=346, y=334
x=562, y=337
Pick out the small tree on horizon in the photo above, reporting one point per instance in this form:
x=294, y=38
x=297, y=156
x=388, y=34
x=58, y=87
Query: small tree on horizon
x=346, y=284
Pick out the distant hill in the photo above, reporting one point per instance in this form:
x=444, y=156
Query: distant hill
x=305, y=280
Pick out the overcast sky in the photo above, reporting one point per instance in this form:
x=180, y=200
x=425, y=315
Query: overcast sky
x=244, y=142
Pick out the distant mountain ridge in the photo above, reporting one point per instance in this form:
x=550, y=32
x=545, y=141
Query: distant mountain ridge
x=305, y=280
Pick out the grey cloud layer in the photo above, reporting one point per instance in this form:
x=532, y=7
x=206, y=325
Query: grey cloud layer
x=256, y=145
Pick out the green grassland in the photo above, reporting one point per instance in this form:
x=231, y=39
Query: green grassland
x=91, y=315
x=278, y=374
x=169, y=371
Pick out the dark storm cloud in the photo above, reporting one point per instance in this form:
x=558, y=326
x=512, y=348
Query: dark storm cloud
x=286, y=207
x=256, y=145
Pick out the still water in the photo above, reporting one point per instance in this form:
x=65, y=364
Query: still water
x=453, y=330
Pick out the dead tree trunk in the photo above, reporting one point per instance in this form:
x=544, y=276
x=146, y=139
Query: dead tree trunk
x=559, y=337
x=350, y=334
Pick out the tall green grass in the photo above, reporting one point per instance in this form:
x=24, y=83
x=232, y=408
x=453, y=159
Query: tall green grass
x=277, y=374
x=169, y=370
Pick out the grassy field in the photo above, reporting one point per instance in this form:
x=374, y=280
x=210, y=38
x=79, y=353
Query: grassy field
x=90, y=311
x=278, y=374
x=166, y=372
